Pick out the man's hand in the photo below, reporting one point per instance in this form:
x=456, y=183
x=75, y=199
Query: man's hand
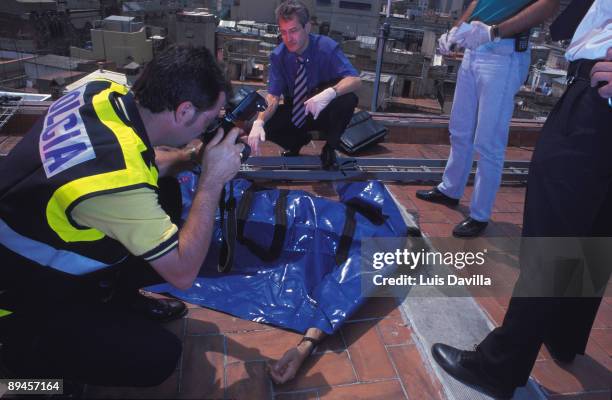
x=446, y=41
x=285, y=369
x=479, y=34
x=170, y=161
x=602, y=72
x=257, y=134
x=195, y=150
x=317, y=103
x=221, y=159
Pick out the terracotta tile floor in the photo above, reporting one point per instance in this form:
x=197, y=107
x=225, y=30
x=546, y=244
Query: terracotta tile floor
x=373, y=356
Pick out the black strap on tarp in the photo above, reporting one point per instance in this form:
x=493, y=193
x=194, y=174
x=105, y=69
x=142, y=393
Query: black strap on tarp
x=228, y=231
x=346, y=239
x=233, y=228
x=280, y=225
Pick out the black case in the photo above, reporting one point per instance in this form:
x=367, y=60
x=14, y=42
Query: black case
x=361, y=132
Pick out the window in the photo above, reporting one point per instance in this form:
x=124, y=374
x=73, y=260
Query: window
x=324, y=2
x=354, y=5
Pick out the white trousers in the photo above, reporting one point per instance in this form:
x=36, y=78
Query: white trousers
x=487, y=81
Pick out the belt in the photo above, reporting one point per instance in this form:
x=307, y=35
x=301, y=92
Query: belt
x=580, y=69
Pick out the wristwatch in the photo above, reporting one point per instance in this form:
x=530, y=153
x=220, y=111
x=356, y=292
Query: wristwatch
x=314, y=342
x=193, y=154
x=495, y=33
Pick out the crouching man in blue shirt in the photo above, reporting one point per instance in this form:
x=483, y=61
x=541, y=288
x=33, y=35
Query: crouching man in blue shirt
x=317, y=83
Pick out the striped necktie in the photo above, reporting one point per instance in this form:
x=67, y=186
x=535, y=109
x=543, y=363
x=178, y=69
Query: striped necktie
x=300, y=89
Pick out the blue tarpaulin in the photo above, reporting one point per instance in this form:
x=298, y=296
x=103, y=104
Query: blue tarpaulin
x=304, y=287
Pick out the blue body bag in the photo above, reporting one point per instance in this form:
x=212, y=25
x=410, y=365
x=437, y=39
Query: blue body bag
x=313, y=279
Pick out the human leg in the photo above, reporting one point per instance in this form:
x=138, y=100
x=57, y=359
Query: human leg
x=61, y=326
x=280, y=130
x=334, y=119
x=568, y=196
x=568, y=189
x=89, y=343
x=499, y=72
x=462, y=125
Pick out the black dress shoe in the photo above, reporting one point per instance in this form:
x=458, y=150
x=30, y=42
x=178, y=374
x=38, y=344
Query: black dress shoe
x=560, y=357
x=469, y=227
x=329, y=161
x=162, y=310
x=434, y=195
x=290, y=153
x=465, y=366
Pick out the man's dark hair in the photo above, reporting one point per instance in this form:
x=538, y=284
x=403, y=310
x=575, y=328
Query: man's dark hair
x=293, y=8
x=179, y=74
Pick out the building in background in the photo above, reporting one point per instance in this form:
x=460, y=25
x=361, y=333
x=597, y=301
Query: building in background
x=452, y=7
x=366, y=91
x=348, y=19
x=196, y=28
x=45, y=25
x=22, y=8
x=44, y=71
x=117, y=39
x=245, y=47
x=12, y=69
x=256, y=10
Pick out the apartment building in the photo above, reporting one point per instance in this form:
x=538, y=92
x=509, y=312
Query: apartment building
x=349, y=18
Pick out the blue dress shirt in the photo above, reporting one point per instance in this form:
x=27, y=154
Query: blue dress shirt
x=325, y=62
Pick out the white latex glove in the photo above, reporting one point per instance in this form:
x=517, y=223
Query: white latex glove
x=446, y=40
x=257, y=134
x=479, y=34
x=317, y=103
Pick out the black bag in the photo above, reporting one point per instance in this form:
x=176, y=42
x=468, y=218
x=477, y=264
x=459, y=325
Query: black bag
x=361, y=132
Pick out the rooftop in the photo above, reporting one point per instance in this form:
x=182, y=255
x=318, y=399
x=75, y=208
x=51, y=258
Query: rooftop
x=26, y=96
x=53, y=60
x=382, y=351
x=119, y=18
x=371, y=77
x=197, y=13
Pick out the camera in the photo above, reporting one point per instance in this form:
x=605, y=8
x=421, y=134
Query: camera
x=248, y=103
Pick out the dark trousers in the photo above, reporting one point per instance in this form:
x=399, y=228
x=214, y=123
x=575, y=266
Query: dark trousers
x=569, y=194
x=80, y=328
x=332, y=121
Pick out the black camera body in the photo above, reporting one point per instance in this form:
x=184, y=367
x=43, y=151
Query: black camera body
x=246, y=108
